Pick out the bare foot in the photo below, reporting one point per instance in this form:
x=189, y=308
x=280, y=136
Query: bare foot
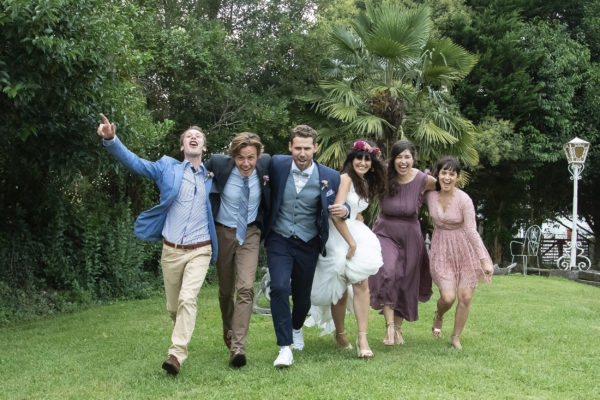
x=455, y=342
x=342, y=341
x=436, y=329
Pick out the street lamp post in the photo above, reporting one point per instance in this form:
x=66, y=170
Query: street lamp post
x=576, y=151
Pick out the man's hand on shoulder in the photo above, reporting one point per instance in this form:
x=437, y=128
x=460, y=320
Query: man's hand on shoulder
x=106, y=130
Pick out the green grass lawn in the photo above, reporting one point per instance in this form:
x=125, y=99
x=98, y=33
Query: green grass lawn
x=527, y=338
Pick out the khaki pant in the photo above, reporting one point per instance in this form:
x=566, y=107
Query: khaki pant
x=183, y=274
x=236, y=269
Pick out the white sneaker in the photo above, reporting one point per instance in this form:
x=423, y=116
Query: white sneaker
x=298, y=340
x=285, y=358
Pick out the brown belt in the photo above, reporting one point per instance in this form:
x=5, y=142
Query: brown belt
x=187, y=246
x=254, y=223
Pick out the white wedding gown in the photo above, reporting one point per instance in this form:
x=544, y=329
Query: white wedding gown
x=334, y=274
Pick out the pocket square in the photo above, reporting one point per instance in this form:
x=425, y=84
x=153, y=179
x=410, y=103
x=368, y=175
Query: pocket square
x=329, y=193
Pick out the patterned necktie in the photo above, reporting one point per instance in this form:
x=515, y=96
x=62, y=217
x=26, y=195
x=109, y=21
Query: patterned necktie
x=242, y=217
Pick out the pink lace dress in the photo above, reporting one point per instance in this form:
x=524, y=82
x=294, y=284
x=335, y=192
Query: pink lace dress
x=456, y=247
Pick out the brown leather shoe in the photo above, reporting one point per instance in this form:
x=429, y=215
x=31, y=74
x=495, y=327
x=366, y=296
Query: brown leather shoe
x=171, y=365
x=227, y=338
x=237, y=360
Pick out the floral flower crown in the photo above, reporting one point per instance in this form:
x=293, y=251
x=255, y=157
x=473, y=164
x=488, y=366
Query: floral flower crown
x=361, y=145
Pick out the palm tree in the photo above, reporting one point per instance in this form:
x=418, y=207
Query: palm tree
x=390, y=79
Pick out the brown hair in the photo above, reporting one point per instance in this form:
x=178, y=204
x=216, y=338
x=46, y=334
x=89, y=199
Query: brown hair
x=374, y=180
x=244, y=139
x=392, y=175
x=448, y=163
x=192, y=128
x=303, y=131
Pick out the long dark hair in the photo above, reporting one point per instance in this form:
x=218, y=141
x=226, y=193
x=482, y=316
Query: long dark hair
x=374, y=180
x=392, y=175
x=448, y=163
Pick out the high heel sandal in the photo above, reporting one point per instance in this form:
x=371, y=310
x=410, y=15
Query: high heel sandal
x=342, y=335
x=362, y=353
x=456, y=344
x=386, y=340
x=437, y=332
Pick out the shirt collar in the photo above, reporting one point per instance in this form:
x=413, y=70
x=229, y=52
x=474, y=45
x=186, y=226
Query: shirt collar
x=308, y=170
x=237, y=173
x=188, y=164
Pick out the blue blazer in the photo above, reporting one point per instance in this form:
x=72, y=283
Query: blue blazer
x=279, y=172
x=168, y=174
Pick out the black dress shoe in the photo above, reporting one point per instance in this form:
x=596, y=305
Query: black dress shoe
x=171, y=365
x=237, y=360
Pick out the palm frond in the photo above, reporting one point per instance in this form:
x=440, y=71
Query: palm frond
x=403, y=91
x=445, y=62
x=341, y=91
x=333, y=68
x=368, y=125
x=430, y=134
x=409, y=29
x=345, y=41
x=340, y=111
x=333, y=145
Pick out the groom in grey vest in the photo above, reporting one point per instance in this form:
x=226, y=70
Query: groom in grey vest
x=303, y=192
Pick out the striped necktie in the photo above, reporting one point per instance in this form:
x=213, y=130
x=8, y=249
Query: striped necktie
x=242, y=217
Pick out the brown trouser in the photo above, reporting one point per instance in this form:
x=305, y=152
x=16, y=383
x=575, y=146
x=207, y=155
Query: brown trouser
x=183, y=274
x=236, y=269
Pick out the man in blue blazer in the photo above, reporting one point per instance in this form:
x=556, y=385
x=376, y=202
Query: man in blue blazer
x=183, y=221
x=240, y=197
x=303, y=192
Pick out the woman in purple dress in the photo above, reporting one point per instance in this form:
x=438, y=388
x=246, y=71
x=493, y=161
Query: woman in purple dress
x=459, y=260
x=404, y=278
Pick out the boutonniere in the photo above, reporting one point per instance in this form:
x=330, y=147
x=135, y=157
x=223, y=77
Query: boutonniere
x=324, y=184
x=265, y=180
x=209, y=175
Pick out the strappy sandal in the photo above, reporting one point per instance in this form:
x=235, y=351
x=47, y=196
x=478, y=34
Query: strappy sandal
x=342, y=335
x=437, y=332
x=386, y=340
x=398, y=339
x=362, y=353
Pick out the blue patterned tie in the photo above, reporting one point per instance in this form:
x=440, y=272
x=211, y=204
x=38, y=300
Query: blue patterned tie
x=242, y=217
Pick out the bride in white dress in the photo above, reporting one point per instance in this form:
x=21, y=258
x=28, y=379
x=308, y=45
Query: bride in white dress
x=353, y=252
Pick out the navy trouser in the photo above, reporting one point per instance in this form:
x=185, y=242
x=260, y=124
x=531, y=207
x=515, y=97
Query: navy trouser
x=290, y=258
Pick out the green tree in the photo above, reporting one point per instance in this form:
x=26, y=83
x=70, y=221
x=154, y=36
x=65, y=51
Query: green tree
x=535, y=71
x=390, y=79
x=60, y=63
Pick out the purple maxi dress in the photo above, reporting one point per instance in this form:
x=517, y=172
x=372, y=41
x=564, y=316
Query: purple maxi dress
x=404, y=278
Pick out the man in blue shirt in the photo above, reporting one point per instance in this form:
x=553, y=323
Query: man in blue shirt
x=240, y=198
x=183, y=221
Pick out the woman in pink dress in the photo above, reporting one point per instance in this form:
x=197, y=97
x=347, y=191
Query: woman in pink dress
x=404, y=278
x=458, y=259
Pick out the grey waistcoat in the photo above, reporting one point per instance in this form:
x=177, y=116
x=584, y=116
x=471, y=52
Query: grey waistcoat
x=299, y=211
